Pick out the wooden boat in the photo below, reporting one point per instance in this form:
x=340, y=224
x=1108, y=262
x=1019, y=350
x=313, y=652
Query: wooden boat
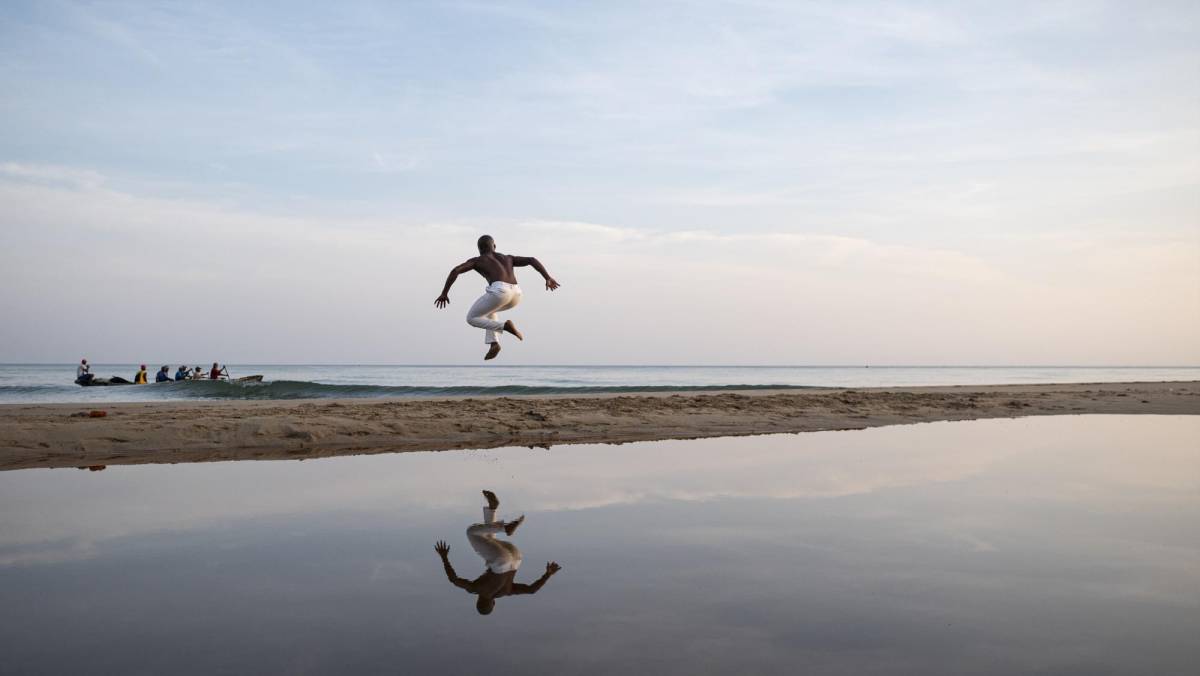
x=101, y=382
x=118, y=380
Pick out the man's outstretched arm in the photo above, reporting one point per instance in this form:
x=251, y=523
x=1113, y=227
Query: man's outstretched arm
x=444, y=299
x=551, y=569
x=522, y=261
x=443, y=551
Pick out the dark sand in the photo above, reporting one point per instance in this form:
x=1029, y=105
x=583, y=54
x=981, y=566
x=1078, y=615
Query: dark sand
x=53, y=435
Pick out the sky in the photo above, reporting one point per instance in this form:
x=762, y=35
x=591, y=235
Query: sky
x=736, y=182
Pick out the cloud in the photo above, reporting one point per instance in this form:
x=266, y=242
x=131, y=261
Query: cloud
x=605, y=233
x=390, y=162
x=828, y=182
x=113, y=32
x=52, y=175
x=794, y=296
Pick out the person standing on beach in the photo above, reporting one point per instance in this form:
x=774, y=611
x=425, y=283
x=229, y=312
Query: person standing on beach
x=501, y=557
x=502, y=292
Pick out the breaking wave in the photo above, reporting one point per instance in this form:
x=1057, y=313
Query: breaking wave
x=294, y=389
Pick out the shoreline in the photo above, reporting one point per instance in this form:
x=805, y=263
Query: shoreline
x=51, y=435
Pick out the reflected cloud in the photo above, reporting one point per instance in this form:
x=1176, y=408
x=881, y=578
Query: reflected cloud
x=94, y=507
x=931, y=546
x=54, y=551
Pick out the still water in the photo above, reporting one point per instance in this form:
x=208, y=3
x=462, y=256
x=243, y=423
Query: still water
x=1055, y=545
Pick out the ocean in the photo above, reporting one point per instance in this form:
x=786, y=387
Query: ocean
x=54, y=383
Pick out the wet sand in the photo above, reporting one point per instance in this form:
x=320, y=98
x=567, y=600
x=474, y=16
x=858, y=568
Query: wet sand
x=56, y=435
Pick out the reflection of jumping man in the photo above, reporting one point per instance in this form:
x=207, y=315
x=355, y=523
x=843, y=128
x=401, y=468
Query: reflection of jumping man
x=502, y=559
x=502, y=292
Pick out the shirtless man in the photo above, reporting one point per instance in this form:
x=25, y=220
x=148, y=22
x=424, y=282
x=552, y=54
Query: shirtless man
x=502, y=292
x=501, y=558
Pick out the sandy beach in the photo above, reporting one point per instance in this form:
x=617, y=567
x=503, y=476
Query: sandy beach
x=60, y=435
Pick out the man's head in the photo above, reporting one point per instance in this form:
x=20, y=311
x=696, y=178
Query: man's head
x=143, y=367
x=486, y=244
x=485, y=604
x=82, y=361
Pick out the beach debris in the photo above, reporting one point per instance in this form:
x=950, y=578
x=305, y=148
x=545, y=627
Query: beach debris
x=90, y=414
x=292, y=432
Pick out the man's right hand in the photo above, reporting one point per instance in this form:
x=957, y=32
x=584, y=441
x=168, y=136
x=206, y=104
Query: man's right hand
x=442, y=548
x=442, y=301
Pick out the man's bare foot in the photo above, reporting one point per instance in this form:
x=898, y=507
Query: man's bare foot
x=512, y=328
x=492, y=352
x=512, y=526
x=493, y=501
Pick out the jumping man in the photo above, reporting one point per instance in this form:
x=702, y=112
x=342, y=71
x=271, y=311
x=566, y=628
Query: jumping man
x=502, y=291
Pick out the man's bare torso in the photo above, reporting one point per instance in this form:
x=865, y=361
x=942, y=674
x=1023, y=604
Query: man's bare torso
x=495, y=267
x=492, y=584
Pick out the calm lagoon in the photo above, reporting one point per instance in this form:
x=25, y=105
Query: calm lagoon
x=1052, y=545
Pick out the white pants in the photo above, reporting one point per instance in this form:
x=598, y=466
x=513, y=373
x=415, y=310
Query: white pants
x=501, y=556
x=498, y=297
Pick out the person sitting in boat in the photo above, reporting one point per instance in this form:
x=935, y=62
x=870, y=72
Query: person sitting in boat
x=83, y=372
x=183, y=373
x=217, y=372
x=141, y=377
x=198, y=373
x=163, y=375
